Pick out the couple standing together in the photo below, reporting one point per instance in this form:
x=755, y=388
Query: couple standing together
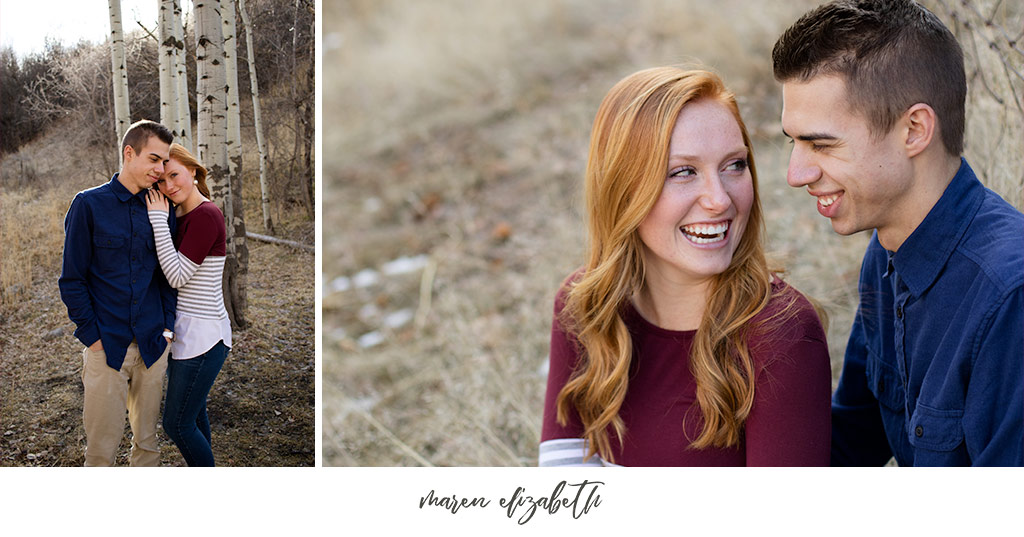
x=142, y=283
x=676, y=344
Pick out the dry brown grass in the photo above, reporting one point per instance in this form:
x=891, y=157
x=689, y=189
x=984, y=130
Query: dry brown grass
x=461, y=135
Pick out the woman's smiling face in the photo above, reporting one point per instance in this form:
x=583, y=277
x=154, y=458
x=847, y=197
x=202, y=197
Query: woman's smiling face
x=176, y=181
x=696, y=225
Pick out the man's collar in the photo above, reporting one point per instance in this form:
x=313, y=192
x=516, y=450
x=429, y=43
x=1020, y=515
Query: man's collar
x=921, y=257
x=119, y=190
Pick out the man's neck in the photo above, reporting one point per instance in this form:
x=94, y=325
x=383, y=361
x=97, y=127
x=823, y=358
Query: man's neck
x=131, y=186
x=931, y=177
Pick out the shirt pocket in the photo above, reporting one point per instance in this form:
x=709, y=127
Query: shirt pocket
x=936, y=430
x=109, y=252
x=885, y=383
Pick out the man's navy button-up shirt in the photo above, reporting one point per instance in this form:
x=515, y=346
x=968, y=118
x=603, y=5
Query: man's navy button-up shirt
x=934, y=368
x=111, y=281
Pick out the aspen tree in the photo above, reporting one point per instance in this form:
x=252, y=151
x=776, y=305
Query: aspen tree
x=119, y=71
x=211, y=95
x=169, y=96
x=268, y=223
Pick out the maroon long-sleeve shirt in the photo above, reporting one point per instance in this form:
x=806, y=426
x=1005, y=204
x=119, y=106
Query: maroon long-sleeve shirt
x=789, y=424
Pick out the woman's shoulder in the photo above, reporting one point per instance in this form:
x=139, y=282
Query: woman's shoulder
x=567, y=284
x=208, y=207
x=790, y=315
x=208, y=213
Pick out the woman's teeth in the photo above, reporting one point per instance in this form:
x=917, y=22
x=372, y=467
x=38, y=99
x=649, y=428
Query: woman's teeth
x=705, y=233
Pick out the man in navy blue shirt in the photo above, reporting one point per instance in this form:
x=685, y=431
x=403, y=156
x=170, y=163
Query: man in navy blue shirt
x=873, y=99
x=121, y=304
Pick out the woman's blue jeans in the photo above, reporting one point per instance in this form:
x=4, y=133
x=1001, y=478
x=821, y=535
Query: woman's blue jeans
x=185, y=420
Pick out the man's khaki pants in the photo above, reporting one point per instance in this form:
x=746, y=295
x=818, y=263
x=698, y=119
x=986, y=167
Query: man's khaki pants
x=109, y=393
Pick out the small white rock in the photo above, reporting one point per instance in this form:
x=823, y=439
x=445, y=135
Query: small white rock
x=398, y=318
x=404, y=265
x=370, y=339
x=366, y=278
x=339, y=284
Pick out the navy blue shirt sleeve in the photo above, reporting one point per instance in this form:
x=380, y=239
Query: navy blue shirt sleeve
x=994, y=406
x=858, y=434
x=72, y=282
x=168, y=295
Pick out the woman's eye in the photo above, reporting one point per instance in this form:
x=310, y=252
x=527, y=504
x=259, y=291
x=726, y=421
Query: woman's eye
x=737, y=165
x=685, y=171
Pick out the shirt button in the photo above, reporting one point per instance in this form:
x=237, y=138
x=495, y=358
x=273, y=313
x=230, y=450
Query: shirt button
x=899, y=312
x=919, y=431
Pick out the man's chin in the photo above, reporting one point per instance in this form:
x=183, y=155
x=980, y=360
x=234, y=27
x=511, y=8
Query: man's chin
x=843, y=228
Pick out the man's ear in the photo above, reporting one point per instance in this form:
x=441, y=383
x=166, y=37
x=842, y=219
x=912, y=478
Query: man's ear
x=922, y=126
x=128, y=153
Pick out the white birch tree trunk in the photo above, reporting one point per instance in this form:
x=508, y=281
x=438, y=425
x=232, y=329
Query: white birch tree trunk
x=119, y=71
x=211, y=94
x=268, y=223
x=181, y=69
x=168, y=75
x=234, y=139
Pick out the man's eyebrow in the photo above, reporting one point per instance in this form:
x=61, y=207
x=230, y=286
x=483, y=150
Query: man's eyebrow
x=158, y=157
x=811, y=137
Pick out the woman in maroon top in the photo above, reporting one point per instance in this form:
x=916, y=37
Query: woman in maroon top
x=193, y=262
x=675, y=344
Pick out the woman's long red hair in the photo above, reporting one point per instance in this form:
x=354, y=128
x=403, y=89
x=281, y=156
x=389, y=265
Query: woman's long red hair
x=626, y=170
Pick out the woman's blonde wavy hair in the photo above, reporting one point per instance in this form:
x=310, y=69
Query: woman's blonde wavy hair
x=626, y=170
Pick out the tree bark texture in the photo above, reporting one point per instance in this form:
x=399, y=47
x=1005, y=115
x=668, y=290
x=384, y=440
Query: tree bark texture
x=168, y=74
x=234, y=116
x=212, y=144
x=119, y=71
x=181, y=68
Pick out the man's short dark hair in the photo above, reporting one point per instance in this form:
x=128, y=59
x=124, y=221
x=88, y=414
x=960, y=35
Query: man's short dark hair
x=139, y=132
x=891, y=55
